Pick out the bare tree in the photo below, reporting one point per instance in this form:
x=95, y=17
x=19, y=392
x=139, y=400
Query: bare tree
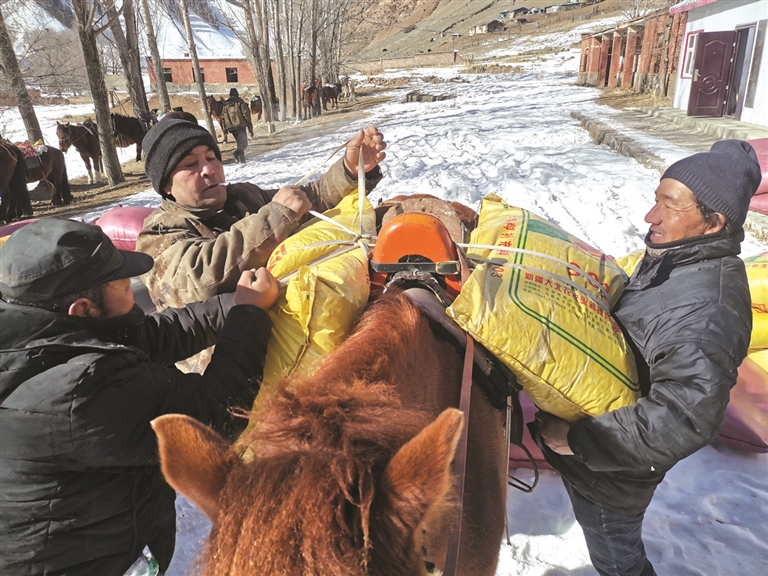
x=10, y=67
x=196, y=67
x=157, y=63
x=632, y=9
x=128, y=49
x=85, y=13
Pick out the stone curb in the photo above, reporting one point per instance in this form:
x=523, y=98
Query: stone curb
x=602, y=133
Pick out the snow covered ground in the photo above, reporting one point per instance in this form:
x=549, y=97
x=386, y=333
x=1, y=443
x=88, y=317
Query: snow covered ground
x=513, y=135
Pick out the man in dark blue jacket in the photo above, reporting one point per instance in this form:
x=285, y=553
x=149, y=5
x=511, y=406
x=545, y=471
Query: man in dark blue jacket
x=686, y=312
x=82, y=373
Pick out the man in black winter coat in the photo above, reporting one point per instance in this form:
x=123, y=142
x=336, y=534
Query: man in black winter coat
x=82, y=373
x=686, y=312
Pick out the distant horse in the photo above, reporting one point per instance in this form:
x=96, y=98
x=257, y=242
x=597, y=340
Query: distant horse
x=330, y=94
x=128, y=130
x=351, y=469
x=85, y=139
x=215, y=108
x=53, y=170
x=311, y=99
x=256, y=107
x=14, y=196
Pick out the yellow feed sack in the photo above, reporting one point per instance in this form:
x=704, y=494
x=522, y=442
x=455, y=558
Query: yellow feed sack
x=759, y=339
x=544, y=319
x=3, y=239
x=757, y=275
x=316, y=310
x=630, y=262
x=760, y=358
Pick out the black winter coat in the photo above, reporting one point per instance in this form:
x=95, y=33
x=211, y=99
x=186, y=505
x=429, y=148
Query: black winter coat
x=687, y=314
x=81, y=491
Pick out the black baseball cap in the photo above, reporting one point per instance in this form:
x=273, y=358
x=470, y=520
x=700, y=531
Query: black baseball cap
x=54, y=257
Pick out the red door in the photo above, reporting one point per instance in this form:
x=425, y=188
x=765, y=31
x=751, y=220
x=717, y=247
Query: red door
x=711, y=73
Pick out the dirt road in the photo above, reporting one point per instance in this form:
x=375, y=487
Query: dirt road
x=89, y=197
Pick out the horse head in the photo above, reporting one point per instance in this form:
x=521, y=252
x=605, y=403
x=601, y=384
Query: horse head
x=64, y=134
x=297, y=508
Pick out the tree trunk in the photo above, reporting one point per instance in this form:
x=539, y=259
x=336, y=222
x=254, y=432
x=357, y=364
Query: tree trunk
x=132, y=39
x=11, y=67
x=279, y=61
x=127, y=54
x=84, y=15
x=251, y=11
x=196, y=67
x=157, y=63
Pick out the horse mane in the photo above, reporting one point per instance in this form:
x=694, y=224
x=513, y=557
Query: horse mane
x=326, y=437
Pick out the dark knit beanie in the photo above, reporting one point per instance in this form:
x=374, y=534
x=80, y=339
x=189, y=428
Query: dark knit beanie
x=233, y=93
x=167, y=142
x=724, y=179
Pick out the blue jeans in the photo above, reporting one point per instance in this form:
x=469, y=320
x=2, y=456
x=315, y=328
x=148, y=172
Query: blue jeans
x=614, y=540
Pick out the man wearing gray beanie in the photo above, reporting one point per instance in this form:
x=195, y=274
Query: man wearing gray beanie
x=686, y=312
x=206, y=232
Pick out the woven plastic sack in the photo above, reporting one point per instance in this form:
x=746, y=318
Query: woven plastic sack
x=759, y=337
x=630, y=262
x=757, y=275
x=546, y=313
x=316, y=310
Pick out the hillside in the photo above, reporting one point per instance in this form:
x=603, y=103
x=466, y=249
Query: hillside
x=402, y=28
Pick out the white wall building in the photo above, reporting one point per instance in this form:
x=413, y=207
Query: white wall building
x=724, y=59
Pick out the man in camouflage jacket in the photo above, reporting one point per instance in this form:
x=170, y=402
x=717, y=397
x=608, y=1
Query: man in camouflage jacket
x=205, y=233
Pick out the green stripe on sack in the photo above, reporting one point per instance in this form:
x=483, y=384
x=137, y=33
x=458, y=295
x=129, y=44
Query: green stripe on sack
x=528, y=226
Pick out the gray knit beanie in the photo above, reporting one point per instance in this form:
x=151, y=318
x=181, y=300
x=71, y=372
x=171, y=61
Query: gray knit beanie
x=724, y=179
x=167, y=142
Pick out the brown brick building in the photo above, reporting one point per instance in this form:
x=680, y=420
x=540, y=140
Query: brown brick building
x=641, y=55
x=215, y=71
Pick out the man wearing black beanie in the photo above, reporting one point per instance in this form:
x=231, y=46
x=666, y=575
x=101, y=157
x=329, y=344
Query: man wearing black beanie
x=686, y=312
x=206, y=232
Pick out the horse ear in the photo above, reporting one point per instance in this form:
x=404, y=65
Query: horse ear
x=420, y=475
x=194, y=459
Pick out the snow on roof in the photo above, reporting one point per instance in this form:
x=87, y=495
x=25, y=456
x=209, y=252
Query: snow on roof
x=687, y=5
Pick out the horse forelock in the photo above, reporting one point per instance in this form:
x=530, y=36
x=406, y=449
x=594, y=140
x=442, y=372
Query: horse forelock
x=305, y=502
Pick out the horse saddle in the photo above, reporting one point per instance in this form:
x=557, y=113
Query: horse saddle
x=416, y=251
x=32, y=155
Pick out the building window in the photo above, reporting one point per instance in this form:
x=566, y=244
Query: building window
x=231, y=74
x=202, y=74
x=690, y=55
x=167, y=75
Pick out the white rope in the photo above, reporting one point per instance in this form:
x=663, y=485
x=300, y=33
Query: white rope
x=283, y=280
x=361, y=186
x=577, y=271
x=304, y=180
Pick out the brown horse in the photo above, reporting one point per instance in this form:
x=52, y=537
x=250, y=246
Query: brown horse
x=52, y=171
x=128, y=130
x=256, y=107
x=330, y=94
x=311, y=99
x=351, y=468
x=14, y=196
x=214, y=109
x=85, y=138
